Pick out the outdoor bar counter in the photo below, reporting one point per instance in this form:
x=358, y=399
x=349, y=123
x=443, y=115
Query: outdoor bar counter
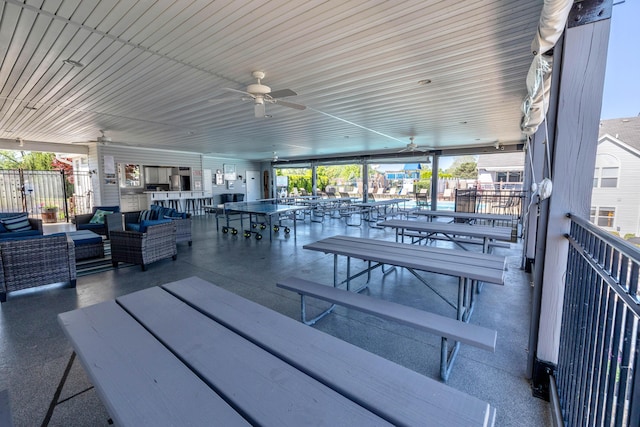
x=177, y=199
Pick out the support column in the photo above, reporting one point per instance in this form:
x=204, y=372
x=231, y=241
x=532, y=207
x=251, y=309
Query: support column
x=434, y=182
x=572, y=163
x=365, y=181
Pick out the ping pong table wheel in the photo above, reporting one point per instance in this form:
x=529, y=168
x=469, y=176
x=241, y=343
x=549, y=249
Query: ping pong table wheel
x=276, y=228
x=234, y=231
x=225, y=230
x=262, y=226
x=287, y=230
x=258, y=236
x=254, y=225
x=247, y=234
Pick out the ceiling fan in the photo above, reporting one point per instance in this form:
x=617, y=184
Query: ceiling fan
x=102, y=139
x=412, y=146
x=261, y=94
x=275, y=158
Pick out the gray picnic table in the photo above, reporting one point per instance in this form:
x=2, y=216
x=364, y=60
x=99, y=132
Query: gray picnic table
x=449, y=231
x=192, y=353
x=467, y=217
x=469, y=267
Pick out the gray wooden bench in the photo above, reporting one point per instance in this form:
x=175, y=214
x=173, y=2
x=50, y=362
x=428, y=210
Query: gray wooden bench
x=447, y=328
x=191, y=353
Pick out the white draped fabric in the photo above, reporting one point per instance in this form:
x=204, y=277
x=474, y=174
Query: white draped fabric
x=553, y=19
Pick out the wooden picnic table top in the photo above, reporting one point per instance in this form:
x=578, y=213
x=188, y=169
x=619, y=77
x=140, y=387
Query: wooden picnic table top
x=481, y=231
x=191, y=353
x=472, y=265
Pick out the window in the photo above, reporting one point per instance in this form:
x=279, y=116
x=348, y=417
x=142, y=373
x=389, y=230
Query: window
x=130, y=175
x=609, y=178
x=606, y=216
x=606, y=172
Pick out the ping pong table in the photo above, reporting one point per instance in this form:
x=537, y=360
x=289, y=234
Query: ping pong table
x=270, y=210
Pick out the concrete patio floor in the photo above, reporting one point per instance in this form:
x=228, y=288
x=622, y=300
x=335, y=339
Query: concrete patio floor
x=34, y=350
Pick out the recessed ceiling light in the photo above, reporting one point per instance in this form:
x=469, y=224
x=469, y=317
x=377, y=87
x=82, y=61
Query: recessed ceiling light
x=73, y=63
x=424, y=82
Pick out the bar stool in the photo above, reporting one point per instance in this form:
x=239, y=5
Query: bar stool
x=204, y=201
x=174, y=204
x=190, y=205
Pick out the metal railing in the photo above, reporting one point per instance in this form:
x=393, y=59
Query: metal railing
x=508, y=202
x=35, y=191
x=597, y=379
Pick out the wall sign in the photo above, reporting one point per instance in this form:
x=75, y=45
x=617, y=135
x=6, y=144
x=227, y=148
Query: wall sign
x=229, y=172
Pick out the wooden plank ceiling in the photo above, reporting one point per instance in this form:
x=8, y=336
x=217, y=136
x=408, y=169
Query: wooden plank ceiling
x=154, y=71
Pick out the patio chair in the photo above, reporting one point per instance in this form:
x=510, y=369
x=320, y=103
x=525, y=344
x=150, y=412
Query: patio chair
x=182, y=221
x=156, y=240
x=35, y=261
x=99, y=224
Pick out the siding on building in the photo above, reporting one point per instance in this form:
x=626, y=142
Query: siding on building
x=625, y=198
x=109, y=194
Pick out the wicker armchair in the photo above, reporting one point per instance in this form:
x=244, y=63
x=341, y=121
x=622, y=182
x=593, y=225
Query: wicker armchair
x=36, y=261
x=183, y=225
x=82, y=221
x=155, y=243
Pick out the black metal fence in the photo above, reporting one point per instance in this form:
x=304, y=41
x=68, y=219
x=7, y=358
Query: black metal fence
x=38, y=192
x=597, y=378
x=508, y=202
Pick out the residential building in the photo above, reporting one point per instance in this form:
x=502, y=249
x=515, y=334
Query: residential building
x=615, y=203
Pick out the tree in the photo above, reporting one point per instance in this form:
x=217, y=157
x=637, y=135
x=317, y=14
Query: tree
x=468, y=170
x=26, y=160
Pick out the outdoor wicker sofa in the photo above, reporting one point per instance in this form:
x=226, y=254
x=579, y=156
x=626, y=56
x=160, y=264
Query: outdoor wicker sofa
x=152, y=243
x=35, y=223
x=35, y=261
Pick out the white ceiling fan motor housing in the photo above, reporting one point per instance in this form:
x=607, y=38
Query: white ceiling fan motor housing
x=258, y=89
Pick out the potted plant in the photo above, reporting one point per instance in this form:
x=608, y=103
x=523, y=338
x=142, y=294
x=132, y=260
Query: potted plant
x=49, y=214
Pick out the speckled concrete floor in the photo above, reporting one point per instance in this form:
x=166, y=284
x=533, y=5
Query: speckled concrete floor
x=34, y=351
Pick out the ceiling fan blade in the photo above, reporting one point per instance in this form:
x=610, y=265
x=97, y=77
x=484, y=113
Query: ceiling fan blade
x=290, y=105
x=259, y=111
x=282, y=93
x=223, y=99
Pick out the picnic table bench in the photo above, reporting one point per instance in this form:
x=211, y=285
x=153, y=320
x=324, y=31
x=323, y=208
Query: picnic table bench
x=191, y=353
x=470, y=268
x=445, y=327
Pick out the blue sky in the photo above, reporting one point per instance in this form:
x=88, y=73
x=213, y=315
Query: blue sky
x=621, y=85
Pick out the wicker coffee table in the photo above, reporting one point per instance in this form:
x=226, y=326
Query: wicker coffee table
x=88, y=244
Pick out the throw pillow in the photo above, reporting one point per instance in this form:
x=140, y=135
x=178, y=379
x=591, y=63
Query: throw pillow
x=98, y=217
x=17, y=223
x=146, y=215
